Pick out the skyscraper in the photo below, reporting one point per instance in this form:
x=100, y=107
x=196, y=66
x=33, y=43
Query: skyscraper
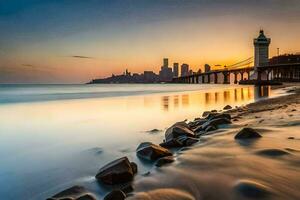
x=206, y=68
x=166, y=62
x=175, y=70
x=184, y=69
x=165, y=73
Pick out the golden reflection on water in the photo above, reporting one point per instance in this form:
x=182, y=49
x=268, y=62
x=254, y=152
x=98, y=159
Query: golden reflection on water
x=212, y=98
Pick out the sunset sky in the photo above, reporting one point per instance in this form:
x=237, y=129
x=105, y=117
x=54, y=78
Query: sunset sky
x=73, y=41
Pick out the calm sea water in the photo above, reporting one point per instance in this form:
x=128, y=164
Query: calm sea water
x=56, y=136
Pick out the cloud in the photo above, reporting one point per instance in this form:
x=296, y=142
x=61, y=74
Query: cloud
x=82, y=57
x=27, y=65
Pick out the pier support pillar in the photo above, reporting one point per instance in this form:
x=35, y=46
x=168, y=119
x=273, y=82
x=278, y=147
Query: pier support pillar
x=226, y=78
x=258, y=75
x=235, y=78
x=242, y=75
x=215, y=78
x=248, y=75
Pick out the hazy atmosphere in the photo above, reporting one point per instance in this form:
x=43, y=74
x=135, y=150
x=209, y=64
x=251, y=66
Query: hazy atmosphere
x=73, y=41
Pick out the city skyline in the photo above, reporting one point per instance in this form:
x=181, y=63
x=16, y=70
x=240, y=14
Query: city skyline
x=74, y=42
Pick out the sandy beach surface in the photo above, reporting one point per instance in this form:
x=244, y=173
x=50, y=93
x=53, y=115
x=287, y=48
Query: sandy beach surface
x=220, y=167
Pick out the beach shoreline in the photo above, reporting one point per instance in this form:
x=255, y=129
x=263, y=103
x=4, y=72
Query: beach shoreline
x=279, y=114
x=199, y=173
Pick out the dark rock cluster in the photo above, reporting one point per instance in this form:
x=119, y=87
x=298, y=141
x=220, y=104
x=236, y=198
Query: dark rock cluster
x=180, y=135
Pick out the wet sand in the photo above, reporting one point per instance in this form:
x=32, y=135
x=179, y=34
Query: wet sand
x=220, y=167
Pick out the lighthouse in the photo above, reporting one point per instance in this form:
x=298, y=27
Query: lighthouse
x=261, y=54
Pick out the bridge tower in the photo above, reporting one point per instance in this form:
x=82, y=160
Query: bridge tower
x=261, y=53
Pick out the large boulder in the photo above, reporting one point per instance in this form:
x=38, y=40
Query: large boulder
x=247, y=133
x=73, y=193
x=177, y=130
x=150, y=151
x=117, y=172
x=115, y=195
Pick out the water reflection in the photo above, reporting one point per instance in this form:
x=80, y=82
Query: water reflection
x=214, y=98
x=165, y=103
x=262, y=92
x=185, y=100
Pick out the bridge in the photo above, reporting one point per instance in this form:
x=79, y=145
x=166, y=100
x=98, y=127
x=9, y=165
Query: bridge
x=244, y=72
x=289, y=72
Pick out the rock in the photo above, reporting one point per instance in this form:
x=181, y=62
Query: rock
x=197, y=123
x=247, y=133
x=86, y=197
x=272, y=152
x=181, y=141
x=149, y=151
x=71, y=193
x=177, y=130
x=251, y=189
x=210, y=128
x=205, y=113
x=188, y=141
x=213, y=111
x=117, y=172
x=235, y=120
x=291, y=138
x=216, y=122
x=154, y=131
x=134, y=167
x=170, y=144
x=165, y=160
x=115, y=195
x=127, y=188
x=227, y=107
x=218, y=116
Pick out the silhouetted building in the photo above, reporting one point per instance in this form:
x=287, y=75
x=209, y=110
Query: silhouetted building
x=207, y=68
x=165, y=73
x=166, y=62
x=285, y=59
x=293, y=72
x=175, y=70
x=126, y=77
x=150, y=77
x=184, y=70
x=190, y=72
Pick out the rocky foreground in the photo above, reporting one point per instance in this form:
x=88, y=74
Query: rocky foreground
x=249, y=152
